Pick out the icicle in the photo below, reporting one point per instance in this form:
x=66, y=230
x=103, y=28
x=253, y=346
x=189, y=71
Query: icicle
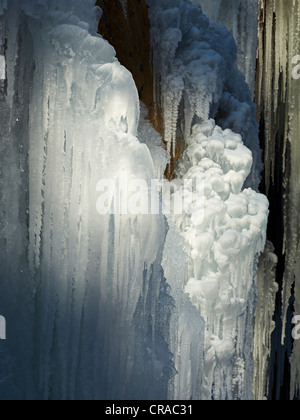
x=124, y=6
x=172, y=94
x=240, y=17
x=95, y=290
x=194, y=63
x=94, y=287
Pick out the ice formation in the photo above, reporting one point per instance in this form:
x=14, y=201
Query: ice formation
x=223, y=247
x=124, y=6
x=278, y=96
x=196, y=78
x=90, y=313
x=264, y=320
x=194, y=64
x=240, y=18
x=115, y=306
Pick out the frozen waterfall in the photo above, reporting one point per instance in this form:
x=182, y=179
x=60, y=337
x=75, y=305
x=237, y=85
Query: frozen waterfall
x=194, y=59
x=122, y=305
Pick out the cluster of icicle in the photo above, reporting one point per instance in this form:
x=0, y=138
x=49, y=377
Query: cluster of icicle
x=278, y=98
x=206, y=101
x=83, y=294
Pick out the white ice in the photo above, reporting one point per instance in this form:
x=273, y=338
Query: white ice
x=241, y=18
x=223, y=246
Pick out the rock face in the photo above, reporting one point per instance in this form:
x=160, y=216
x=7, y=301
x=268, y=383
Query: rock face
x=125, y=25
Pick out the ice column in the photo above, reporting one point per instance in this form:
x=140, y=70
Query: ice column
x=193, y=63
x=278, y=96
x=264, y=320
x=88, y=301
x=224, y=226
